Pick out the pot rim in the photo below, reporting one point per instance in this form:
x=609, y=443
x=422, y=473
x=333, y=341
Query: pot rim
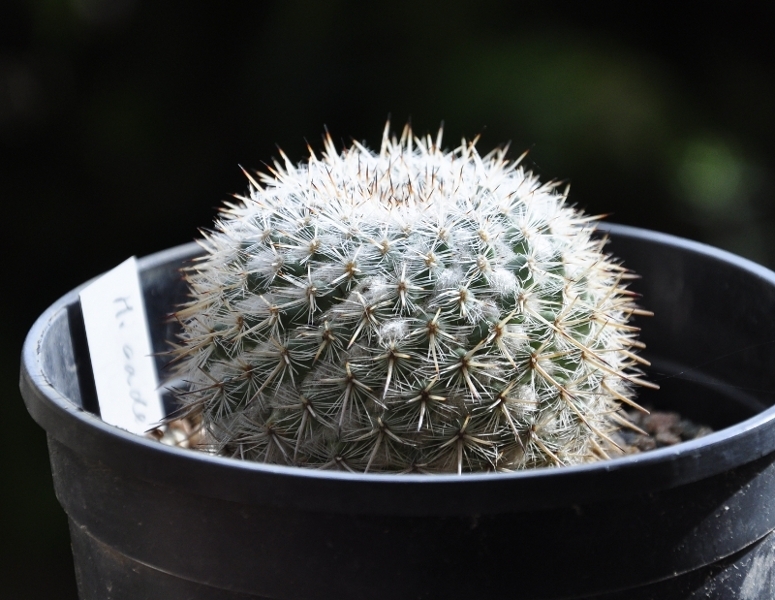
x=418, y=494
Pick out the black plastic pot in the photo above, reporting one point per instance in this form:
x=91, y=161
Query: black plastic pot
x=693, y=521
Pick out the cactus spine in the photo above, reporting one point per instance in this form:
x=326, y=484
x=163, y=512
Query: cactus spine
x=410, y=309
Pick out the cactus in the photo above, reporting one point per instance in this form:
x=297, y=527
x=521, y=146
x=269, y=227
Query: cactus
x=407, y=310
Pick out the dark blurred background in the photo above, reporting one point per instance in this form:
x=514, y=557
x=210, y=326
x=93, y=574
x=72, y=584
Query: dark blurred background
x=123, y=122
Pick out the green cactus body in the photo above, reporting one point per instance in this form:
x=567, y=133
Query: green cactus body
x=407, y=310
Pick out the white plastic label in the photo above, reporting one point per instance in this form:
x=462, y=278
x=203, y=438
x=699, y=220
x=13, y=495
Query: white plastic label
x=120, y=348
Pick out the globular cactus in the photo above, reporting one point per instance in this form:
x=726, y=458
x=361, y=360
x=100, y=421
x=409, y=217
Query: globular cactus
x=407, y=310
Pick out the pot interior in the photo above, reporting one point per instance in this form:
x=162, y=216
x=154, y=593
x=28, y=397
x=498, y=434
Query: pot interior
x=711, y=341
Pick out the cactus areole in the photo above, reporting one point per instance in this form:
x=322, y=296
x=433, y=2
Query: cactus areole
x=407, y=310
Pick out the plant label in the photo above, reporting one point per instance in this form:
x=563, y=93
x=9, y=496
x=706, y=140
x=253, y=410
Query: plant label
x=120, y=348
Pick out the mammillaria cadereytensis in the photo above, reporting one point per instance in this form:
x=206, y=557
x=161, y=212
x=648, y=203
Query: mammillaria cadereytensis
x=407, y=310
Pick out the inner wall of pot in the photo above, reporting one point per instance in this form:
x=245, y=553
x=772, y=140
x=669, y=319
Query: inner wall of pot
x=711, y=341
x=702, y=398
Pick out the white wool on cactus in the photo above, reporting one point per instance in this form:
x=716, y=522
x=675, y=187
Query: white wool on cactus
x=407, y=310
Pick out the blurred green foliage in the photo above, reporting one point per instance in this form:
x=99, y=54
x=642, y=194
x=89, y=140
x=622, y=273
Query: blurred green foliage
x=123, y=122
